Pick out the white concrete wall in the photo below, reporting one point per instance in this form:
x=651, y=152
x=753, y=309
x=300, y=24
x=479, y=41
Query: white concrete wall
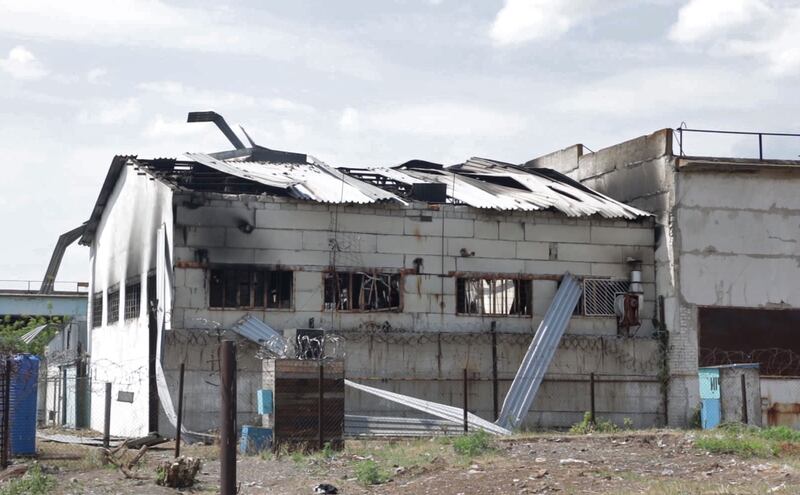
x=124, y=247
x=297, y=236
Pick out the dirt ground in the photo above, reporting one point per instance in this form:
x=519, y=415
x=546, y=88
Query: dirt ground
x=652, y=462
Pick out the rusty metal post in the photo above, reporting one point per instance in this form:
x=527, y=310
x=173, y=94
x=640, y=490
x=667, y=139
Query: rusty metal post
x=466, y=401
x=744, y=401
x=591, y=399
x=107, y=425
x=227, y=418
x=495, y=391
x=760, y=147
x=6, y=447
x=320, y=414
x=178, y=425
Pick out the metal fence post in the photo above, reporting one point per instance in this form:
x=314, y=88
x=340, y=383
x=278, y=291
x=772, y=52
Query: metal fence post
x=320, y=426
x=495, y=391
x=180, y=413
x=591, y=399
x=466, y=402
x=107, y=425
x=744, y=401
x=227, y=420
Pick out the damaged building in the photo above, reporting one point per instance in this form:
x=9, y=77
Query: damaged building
x=421, y=271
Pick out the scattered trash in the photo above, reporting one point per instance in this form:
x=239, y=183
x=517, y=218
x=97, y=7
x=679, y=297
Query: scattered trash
x=570, y=460
x=177, y=473
x=538, y=474
x=326, y=489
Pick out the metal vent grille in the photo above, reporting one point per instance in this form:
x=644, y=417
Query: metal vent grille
x=599, y=294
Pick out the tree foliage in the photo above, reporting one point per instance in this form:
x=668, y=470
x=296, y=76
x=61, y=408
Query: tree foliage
x=12, y=328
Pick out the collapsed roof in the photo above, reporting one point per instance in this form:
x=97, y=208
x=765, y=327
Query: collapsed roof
x=478, y=182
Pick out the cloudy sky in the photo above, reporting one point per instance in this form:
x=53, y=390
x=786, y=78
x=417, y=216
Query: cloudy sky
x=364, y=83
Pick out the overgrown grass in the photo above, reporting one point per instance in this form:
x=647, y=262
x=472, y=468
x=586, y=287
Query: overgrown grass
x=473, y=445
x=586, y=426
x=34, y=482
x=748, y=441
x=369, y=472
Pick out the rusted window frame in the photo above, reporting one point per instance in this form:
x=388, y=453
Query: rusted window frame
x=461, y=285
x=112, y=294
x=97, y=309
x=252, y=272
x=133, y=299
x=351, y=274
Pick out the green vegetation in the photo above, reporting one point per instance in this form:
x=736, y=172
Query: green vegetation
x=748, y=441
x=587, y=426
x=35, y=482
x=11, y=329
x=472, y=445
x=368, y=472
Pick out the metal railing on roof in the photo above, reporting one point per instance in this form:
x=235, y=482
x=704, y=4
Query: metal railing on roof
x=680, y=130
x=33, y=286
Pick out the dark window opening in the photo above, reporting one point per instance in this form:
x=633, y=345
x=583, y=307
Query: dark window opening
x=133, y=298
x=113, y=306
x=494, y=296
x=769, y=337
x=97, y=309
x=250, y=288
x=362, y=291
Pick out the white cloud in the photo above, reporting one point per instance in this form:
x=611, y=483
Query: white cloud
x=22, y=64
x=111, y=112
x=203, y=99
x=520, y=21
x=348, y=121
x=442, y=119
x=704, y=19
x=160, y=127
x=154, y=23
x=769, y=32
x=97, y=75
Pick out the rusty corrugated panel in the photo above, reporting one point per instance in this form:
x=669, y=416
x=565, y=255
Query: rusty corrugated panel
x=540, y=353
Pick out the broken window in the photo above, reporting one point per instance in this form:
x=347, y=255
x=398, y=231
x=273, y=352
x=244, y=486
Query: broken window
x=249, y=287
x=97, y=309
x=133, y=297
x=493, y=296
x=113, y=305
x=362, y=291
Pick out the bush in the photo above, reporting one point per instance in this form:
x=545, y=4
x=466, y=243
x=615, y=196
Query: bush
x=472, y=445
x=35, y=482
x=586, y=426
x=369, y=473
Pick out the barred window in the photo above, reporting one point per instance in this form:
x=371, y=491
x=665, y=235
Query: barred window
x=362, y=291
x=599, y=294
x=250, y=287
x=493, y=296
x=133, y=298
x=97, y=309
x=113, y=306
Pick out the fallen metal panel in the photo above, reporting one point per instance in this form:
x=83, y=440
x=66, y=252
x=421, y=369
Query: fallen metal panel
x=262, y=334
x=383, y=426
x=449, y=413
x=540, y=353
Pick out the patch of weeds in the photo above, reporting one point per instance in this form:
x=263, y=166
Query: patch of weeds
x=297, y=457
x=740, y=444
x=586, y=426
x=34, y=482
x=627, y=423
x=327, y=451
x=368, y=472
x=472, y=445
x=780, y=434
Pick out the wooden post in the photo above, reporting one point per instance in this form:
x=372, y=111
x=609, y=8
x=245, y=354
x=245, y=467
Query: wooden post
x=591, y=399
x=321, y=391
x=744, y=396
x=466, y=402
x=180, y=413
x=107, y=426
x=227, y=418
